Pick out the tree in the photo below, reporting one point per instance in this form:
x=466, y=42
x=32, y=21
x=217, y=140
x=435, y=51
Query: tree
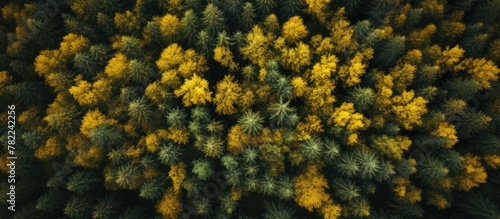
x=256, y=48
x=310, y=188
x=251, y=123
x=81, y=182
x=78, y=207
x=294, y=29
x=213, y=19
x=189, y=27
x=390, y=51
x=140, y=110
x=247, y=16
x=277, y=210
x=51, y=200
x=194, y=91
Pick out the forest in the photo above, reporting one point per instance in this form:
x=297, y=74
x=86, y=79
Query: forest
x=274, y=109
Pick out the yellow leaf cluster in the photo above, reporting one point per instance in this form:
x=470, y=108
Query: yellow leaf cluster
x=483, y=71
x=299, y=86
x=177, y=173
x=296, y=57
x=322, y=46
x=419, y=38
x=310, y=188
x=170, y=205
x=256, y=48
x=87, y=155
x=226, y=95
x=437, y=200
x=492, y=160
x=450, y=57
x=409, y=110
x=117, y=67
x=88, y=94
x=152, y=142
x=393, y=147
x=294, y=29
x=331, y=210
x=73, y=43
x=52, y=148
x=194, y=91
x=472, y=174
x=446, y=130
x=169, y=26
x=179, y=136
x=405, y=191
x=325, y=68
x=224, y=56
x=175, y=62
x=93, y=119
x=351, y=74
x=345, y=116
x=403, y=76
x=236, y=140
x=342, y=32
x=320, y=98
x=306, y=130
x=49, y=61
x=317, y=8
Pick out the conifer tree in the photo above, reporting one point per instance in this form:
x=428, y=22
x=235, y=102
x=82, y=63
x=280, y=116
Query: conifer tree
x=213, y=19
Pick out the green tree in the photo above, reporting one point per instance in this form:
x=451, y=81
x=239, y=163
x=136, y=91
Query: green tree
x=213, y=19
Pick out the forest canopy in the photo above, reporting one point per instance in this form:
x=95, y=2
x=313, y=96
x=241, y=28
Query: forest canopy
x=252, y=109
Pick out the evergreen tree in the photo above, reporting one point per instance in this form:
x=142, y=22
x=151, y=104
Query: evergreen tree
x=81, y=182
x=190, y=27
x=52, y=200
x=247, y=16
x=251, y=123
x=106, y=207
x=390, y=51
x=78, y=207
x=213, y=19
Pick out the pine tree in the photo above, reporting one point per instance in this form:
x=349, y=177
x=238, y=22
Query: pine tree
x=478, y=205
x=346, y=189
x=106, y=136
x=278, y=210
x=312, y=148
x=472, y=122
x=251, y=123
x=140, y=110
x=108, y=206
x=81, y=182
x=129, y=176
x=431, y=170
x=213, y=146
x=213, y=19
x=169, y=154
x=176, y=118
x=203, y=169
x=390, y=51
x=280, y=110
x=51, y=200
x=78, y=207
x=247, y=16
x=189, y=27
x=131, y=47
x=363, y=98
x=461, y=88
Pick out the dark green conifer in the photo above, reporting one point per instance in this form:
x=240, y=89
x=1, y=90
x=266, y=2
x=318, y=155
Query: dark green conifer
x=203, y=169
x=106, y=136
x=190, y=27
x=52, y=200
x=278, y=210
x=251, y=123
x=140, y=110
x=81, y=182
x=390, y=51
x=345, y=189
x=107, y=207
x=79, y=207
x=247, y=16
x=169, y=153
x=213, y=19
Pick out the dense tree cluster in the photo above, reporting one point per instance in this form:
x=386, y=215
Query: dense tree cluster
x=252, y=109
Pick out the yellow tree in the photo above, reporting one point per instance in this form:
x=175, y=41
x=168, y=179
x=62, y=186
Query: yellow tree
x=483, y=71
x=318, y=8
x=169, y=26
x=345, y=116
x=472, y=174
x=351, y=74
x=256, y=48
x=194, y=91
x=224, y=56
x=296, y=57
x=294, y=30
x=409, y=110
x=226, y=95
x=310, y=188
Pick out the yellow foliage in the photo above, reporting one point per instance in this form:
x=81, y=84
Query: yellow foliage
x=419, y=38
x=325, y=68
x=342, y=32
x=90, y=94
x=126, y=22
x=351, y=74
x=433, y=8
x=446, y=130
x=320, y=97
x=170, y=205
x=192, y=64
x=256, y=47
x=93, y=119
x=472, y=174
x=52, y=148
x=297, y=57
x=177, y=173
x=152, y=142
x=194, y=91
x=117, y=66
x=317, y=8
x=409, y=110
x=87, y=155
x=271, y=23
x=345, y=116
x=310, y=188
x=305, y=130
x=392, y=147
x=179, y=136
x=413, y=57
x=226, y=95
x=236, y=140
x=294, y=29
x=450, y=57
x=170, y=26
x=171, y=57
x=49, y=61
x=72, y=44
x=492, y=160
x=157, y=93
x=451, y=30
x=483, y=71
x=330, y=210
x=246, y=100
x=223, y=55
x=438, y=200
x=403, y=76
x=299, y=86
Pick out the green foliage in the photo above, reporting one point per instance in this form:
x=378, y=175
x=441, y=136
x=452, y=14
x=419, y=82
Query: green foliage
x=78, y=207
x=140, y=110
x=478, y=205
x=213, y=146
x=390, y=51
x=190, y=27
x=280, y=110
x=203, y=169
x=213, y=19
x=461, y=88
x=169, y=153
x=265, y=7
x=251, y=122
x=431, y=170
x=129, y=176
x=363, y=98
x=176, y=118
x=347, y=165
x=81, y=182
x=50, y=201
x=407, y=210
x=247, y=16
x=278, y=210
x=106, y=207
x=345, y=189
x=106, y=136
x=312, y=148
x=152, y=189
